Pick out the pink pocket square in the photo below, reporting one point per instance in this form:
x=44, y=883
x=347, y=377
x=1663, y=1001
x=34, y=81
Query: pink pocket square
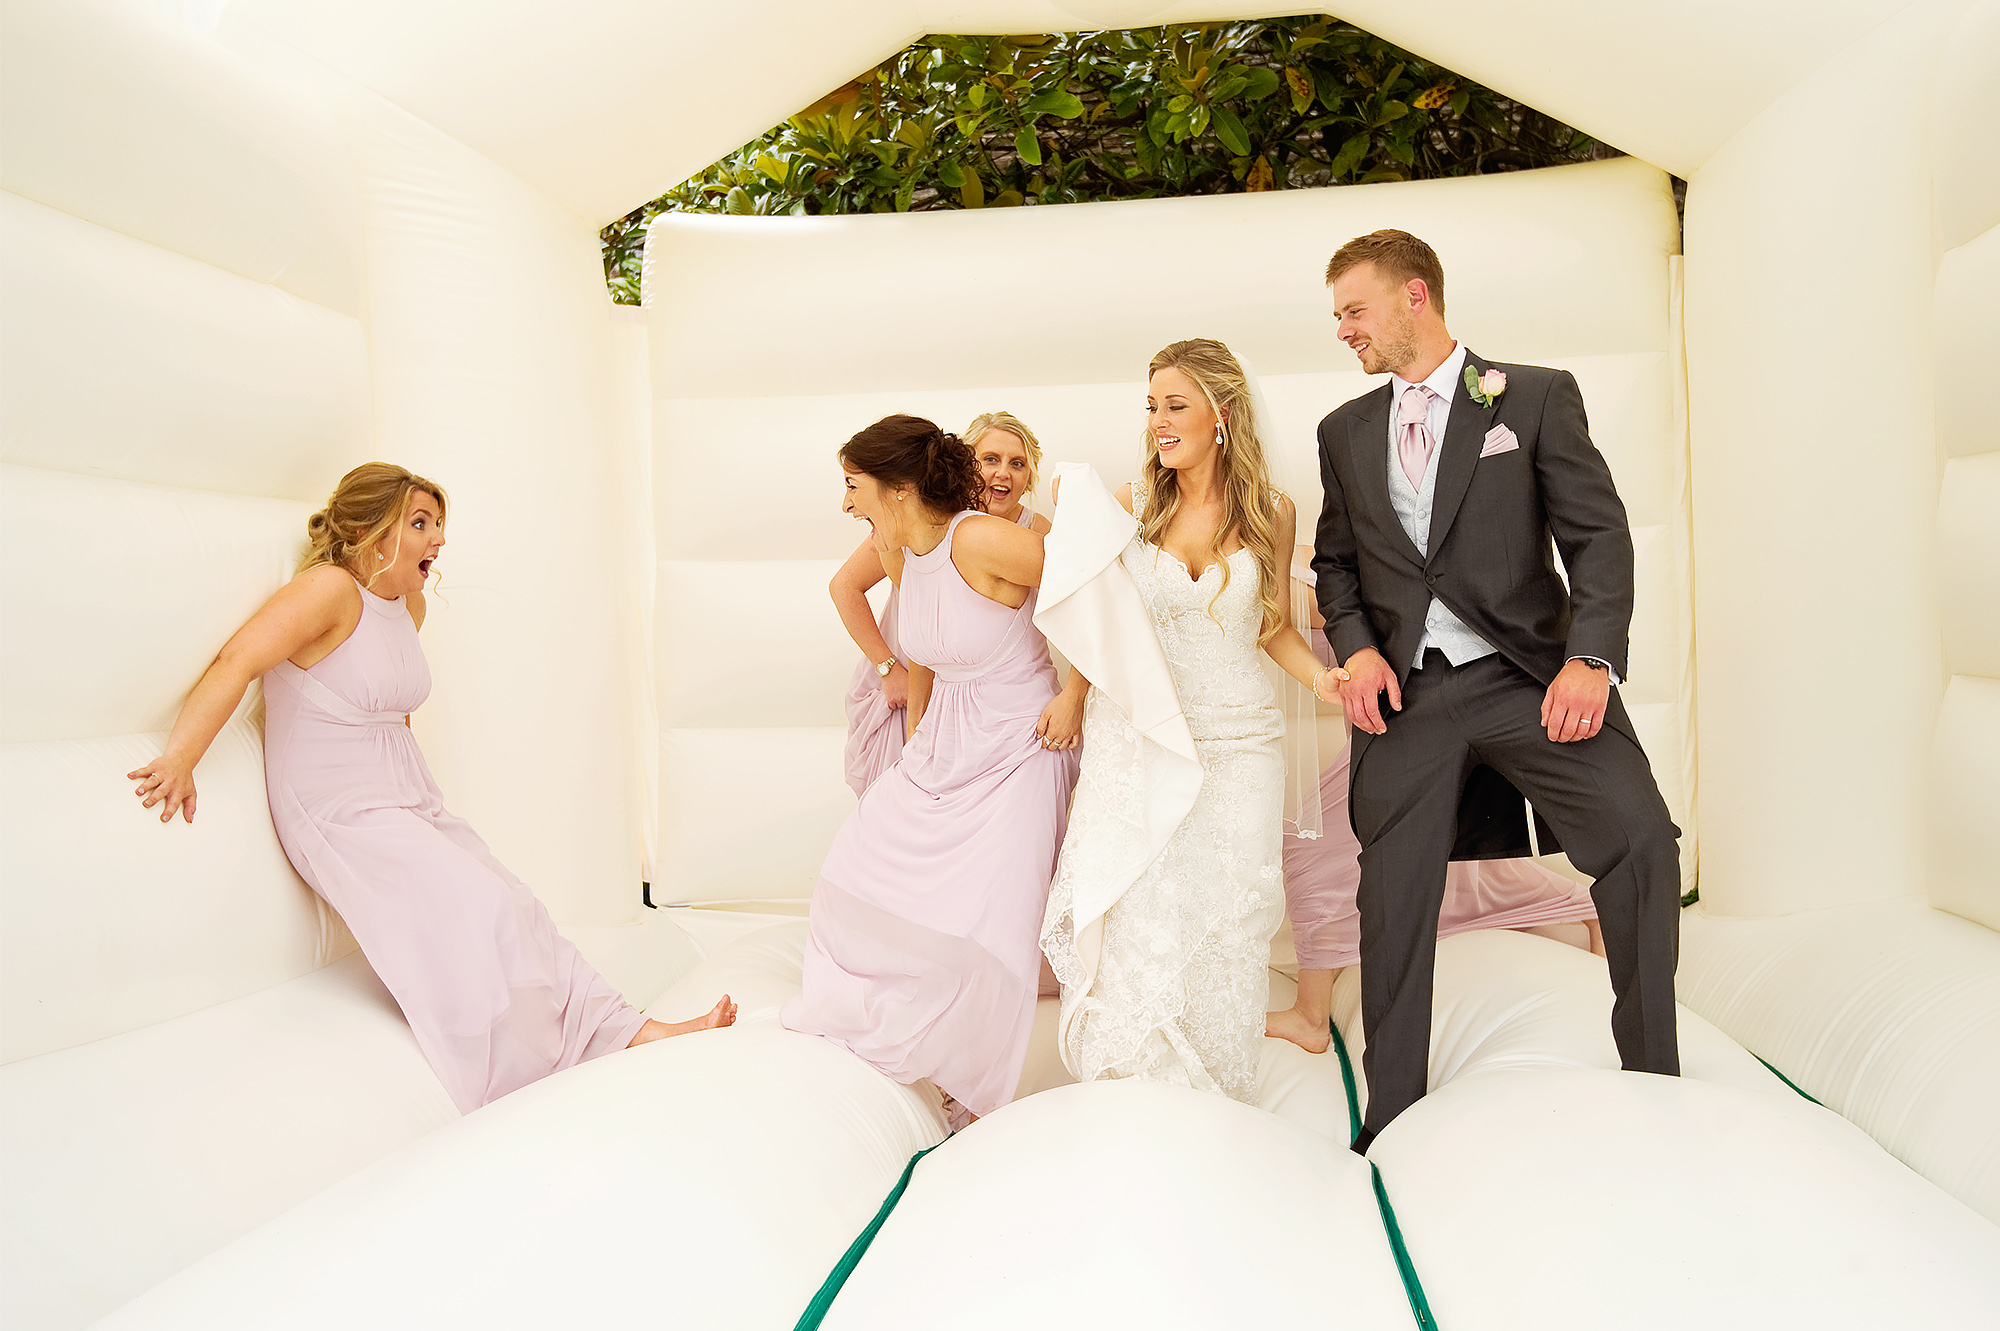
x=1499, y=439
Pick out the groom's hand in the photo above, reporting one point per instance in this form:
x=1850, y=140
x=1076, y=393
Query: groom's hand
x=1573, y=708
x=1368, y=675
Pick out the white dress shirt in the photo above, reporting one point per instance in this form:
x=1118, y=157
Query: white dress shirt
x=1442, y=629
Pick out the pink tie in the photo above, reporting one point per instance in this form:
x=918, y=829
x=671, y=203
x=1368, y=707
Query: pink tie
x=1413, y=434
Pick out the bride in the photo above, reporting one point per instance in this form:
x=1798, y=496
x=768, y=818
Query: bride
x=1170, y=886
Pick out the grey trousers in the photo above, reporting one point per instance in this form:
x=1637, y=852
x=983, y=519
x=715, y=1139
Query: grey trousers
x=1599, y=796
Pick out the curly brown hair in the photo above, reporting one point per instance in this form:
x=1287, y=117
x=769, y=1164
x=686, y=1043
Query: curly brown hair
x=909, y=450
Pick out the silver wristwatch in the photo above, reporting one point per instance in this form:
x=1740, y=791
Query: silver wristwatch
x=883, y=668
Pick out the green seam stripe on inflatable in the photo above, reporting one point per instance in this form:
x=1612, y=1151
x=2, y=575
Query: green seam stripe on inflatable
x=1420, y=1306
x=816, y=1311
x=1783, y=1078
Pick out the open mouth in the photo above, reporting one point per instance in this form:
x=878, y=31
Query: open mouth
x=1167, y=441
x=424, y=566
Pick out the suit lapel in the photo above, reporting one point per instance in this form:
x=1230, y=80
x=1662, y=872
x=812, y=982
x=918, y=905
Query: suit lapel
x=1463, y=438
x=1368, y=437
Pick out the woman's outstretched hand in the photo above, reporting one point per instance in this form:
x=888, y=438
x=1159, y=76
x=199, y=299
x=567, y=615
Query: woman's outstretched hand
x=1062, y=721
x=168, y=782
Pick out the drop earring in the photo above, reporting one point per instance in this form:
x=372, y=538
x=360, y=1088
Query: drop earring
x=1218, y=434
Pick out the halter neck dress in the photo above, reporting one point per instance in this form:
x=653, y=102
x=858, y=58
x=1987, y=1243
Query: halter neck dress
x=496, y=997
x=922, y=955
x=874, y=728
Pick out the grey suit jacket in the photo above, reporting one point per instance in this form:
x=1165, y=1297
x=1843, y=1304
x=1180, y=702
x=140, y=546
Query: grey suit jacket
x=1495, y=525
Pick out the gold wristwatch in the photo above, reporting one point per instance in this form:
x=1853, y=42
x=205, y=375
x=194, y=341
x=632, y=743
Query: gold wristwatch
x=883, y=668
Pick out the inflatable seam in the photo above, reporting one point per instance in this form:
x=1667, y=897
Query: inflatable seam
x=829, y=1290
x=1413, y=1286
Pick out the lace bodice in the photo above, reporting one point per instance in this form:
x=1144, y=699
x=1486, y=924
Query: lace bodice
x=1180, y=985
x=1209, y=632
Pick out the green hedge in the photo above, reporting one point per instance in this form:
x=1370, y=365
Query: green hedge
x=1206, y=108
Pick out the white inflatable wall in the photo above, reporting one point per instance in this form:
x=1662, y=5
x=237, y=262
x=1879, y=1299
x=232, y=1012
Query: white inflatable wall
x=249, y=243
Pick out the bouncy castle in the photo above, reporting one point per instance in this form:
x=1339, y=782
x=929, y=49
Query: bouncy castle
x=249, y=244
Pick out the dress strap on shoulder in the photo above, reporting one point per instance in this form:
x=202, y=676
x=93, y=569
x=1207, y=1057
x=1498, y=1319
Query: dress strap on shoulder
x=1138, y=496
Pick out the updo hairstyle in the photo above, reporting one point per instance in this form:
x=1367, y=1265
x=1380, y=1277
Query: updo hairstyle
x=1008, y=421
x=909, y=450
x=368, y=501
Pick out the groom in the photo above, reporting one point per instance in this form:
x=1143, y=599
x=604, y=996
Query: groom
x=1474, y=674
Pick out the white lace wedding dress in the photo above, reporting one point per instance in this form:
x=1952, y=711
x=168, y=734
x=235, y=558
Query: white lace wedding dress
x=1180, y=983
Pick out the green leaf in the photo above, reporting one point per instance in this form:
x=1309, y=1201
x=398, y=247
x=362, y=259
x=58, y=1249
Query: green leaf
x=739, y=203
x=951, y=175
x=903, y=195
x=1260, y=82
x=1394, y=111
x=1008, y=198
x=1056, y=102
x=1026, y=144
x=1349, y=155
x=1198, y=121
x=972, y=194
x=1301, y=89
x=1230, y=130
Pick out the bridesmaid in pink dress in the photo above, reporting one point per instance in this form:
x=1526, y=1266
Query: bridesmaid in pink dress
x=1008, y=455
x=923, y=954
x=1322, y=877
x=495, y=996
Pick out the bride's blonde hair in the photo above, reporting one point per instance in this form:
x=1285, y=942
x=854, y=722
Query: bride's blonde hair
x=1249, y=505
x=368, y=501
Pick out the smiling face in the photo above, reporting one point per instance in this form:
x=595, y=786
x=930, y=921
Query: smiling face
x=1179, y=419
x=1003, y=464
x=401, y=562
x=869, y=500
x=1378, y=317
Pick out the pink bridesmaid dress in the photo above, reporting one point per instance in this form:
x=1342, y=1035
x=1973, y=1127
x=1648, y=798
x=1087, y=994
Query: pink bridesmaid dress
x=923, y=955
x=496, y=997
x=874, y=728
x=1322, y=877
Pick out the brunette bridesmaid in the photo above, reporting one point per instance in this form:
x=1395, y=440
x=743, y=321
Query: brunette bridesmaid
x=1008, y=455
x=922, y=956
x=495, y=996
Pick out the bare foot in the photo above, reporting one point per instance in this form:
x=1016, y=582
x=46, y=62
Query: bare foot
x=1308, y=1033
x=722, y=1014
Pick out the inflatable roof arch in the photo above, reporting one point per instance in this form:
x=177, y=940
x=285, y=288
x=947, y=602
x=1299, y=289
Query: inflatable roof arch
x=250, y=244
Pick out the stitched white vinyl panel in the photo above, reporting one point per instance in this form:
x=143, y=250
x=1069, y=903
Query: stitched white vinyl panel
x=164, y=1143
x=120, y=358
x=119, y=595
x=110, y=921
x=1965, y=801
x=131, y=121
x=748, y=812
x=722, y=615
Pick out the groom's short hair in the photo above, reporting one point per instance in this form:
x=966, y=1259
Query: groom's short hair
x=1397, y=255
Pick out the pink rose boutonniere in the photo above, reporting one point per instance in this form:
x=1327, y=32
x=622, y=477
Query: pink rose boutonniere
x=1485, y=388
